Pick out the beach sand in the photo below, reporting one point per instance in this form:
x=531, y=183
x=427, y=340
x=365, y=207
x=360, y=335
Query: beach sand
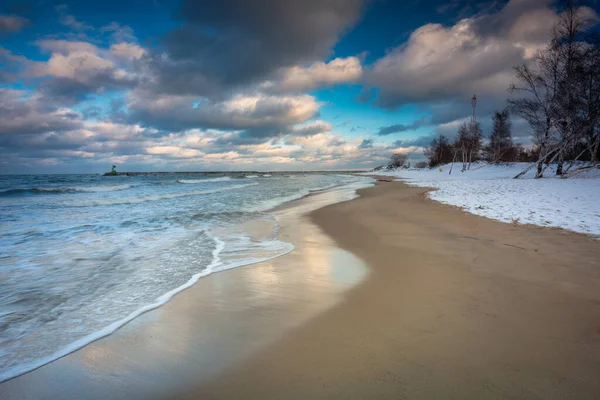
x=444, y=304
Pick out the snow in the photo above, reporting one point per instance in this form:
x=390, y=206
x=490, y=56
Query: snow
x=490, y=191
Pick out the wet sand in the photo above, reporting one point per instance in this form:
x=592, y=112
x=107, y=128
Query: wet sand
x=451, y=306
x=221, y=320
x=456, y=307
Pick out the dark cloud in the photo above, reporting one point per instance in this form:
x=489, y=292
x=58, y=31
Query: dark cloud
x=388, y=130
x=421, y=141
x=265, y=134
x=70, y=91
x=253, y=113
x=26, y=115
x=366, y=144
x=11, y=66
x=12, y=23
x=230, y=43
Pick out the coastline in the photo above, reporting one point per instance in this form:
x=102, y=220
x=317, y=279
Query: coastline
x=452, y=306
x=455, y=306
x=80, y=368
x=344, y=192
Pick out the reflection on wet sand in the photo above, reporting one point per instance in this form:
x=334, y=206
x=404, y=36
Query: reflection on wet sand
x=224, y=318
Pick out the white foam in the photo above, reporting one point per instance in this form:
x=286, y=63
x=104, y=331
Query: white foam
x=273, y=248
x=78, y=344
x=195, y=181
x=281, y=248
x=251, y=176
x=103, y=188
x=142, y=199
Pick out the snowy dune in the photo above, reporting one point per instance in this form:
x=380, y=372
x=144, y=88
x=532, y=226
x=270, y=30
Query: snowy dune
x=490, y=191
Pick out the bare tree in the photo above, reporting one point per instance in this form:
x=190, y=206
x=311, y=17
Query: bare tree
x=468, y=143
x=559, y=93
x=538, y=87
x=500, y=147
x=461, y=145
x=474, y=142
x=398, y=160
x=568, y=48
x=589, y=79
x=440, y=151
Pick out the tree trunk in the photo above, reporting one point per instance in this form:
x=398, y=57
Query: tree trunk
x=540, y=163
x=559, y=167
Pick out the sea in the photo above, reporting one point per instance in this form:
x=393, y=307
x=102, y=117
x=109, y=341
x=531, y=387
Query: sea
x=82, y=255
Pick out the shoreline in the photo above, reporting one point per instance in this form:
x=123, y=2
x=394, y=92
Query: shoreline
x=453, y=305
x=456, y=306
x=214, y=267
x=296, y=208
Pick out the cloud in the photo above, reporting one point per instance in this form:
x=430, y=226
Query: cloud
x=71, y=22
x=127, y=51
x=388, y=130
x=120, y=33
x=310, y=129
x=259, y=114
x=476, y=55
x=232, y=43
x=76, y=69
x=20, y=114
x=12, y=23
x=11, y=66
x=366, y=144
x=317, y=75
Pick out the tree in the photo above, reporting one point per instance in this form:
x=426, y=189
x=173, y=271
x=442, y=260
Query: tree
x=538, y=86
x=559, y=92
x=568, y=48
x=474, y=142
x=468, y=143
x=440, y=151
x=501, y=147
x=589, y=79
x=461, y=144
x=398, y=160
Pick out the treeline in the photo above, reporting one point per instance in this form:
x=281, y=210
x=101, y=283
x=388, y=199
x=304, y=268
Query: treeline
x=558, y=94
x=468, y=145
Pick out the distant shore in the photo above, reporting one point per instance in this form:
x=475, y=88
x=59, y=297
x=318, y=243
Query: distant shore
x=233, y=172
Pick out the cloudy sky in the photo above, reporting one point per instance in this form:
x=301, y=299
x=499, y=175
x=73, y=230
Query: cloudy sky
x=239, y=85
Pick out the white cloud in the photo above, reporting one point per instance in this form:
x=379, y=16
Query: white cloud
x=242, y=111
x=317, y=75
x=128, y=51
x=476, y=55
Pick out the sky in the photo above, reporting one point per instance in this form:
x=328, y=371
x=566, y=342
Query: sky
x=252, y=85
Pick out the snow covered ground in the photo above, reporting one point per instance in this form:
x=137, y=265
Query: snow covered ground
x=490, y=191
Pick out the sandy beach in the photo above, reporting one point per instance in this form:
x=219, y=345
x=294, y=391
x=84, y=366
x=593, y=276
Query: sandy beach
x=390, y=295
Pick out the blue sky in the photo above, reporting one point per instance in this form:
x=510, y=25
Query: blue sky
x=270, y=84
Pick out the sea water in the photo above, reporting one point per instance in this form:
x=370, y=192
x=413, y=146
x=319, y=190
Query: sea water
x=81, y=255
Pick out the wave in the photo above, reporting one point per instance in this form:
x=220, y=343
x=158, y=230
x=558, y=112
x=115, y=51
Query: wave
x=143, y=199
x=216, y=265
x=63, y=190
x=251, y=176
x=216, y=261
x=191, y=181
x=266, y=175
